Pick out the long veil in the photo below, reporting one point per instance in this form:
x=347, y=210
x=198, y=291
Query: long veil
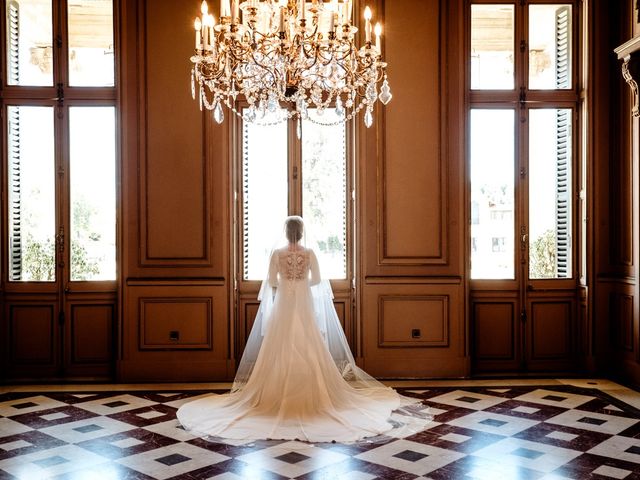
x=326, y=319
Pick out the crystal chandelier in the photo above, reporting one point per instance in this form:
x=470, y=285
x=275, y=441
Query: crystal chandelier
x=286, y=56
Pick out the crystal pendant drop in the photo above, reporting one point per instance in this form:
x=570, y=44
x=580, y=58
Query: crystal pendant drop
x=272, y=104
x=250, y=116
x=372, y=93
x=385, y=92
x=301, y=107
x=193, y=84
x=218, y=114
x=368, y=118
x=339, y=107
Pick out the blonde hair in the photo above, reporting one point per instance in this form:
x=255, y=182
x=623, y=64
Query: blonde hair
x=293, y=227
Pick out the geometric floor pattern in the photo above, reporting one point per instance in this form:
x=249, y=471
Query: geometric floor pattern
x=487, y=433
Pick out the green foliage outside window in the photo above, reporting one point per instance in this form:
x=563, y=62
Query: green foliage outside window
x=38, y=257
x=543, y=256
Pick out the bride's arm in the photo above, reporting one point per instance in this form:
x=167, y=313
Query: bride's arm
x=272, y=276
x=314, y=269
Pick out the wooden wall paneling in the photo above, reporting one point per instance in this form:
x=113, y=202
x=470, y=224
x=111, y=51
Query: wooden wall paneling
x=495, y=332
x=175, y=182
x=623, y=328
x=551, y=328
x=179, y=228
x=33, y=336
x=90, y=337
x=391, y=313
x=163, y=326
x=606, y=104
x=624, y=335
x=618, y=286
x=411, y=194
x=199, y=312
x=174, y=221
x=413, y=321
x=412, y=214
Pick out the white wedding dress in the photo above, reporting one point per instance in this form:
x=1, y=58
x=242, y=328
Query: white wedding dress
x=297, y=378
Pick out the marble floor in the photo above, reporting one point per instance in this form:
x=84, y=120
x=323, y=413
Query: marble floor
x=482, y=429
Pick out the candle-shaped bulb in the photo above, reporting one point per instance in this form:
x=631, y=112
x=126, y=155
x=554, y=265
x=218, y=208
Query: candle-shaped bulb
x=281, y=16
x=235, y=11
x=367, y=25
x=197, y=25
x=204, y=8
x=225, y=8
x=378, y=31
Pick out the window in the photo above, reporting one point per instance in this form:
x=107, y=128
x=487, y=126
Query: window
x=60, y=148
x=285, y=175
x=492, y=187
x=521, y=134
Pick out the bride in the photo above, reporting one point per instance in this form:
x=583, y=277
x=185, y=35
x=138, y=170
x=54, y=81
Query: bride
x=297, y=378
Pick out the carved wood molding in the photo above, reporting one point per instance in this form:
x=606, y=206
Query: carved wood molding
x=629, y=53
x=628, y=76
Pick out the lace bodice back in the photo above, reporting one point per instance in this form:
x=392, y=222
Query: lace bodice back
x=294, y=265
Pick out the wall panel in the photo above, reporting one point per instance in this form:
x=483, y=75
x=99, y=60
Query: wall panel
x=32, y=339
x=551, y=327
x=198, y=313
x=32, y=333
x=412, y=192
x=413, y=321
x=176, y=205
x=391, y=313
x=92, y=333
x=411, y=315
x=495, y=330
x=174, y=223
x=175, y=323
x=412, y=165
x=175, y=320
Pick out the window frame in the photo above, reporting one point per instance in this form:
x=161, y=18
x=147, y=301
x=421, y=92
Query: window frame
x=295, y=182
x=522, y=99
x=61, y=97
